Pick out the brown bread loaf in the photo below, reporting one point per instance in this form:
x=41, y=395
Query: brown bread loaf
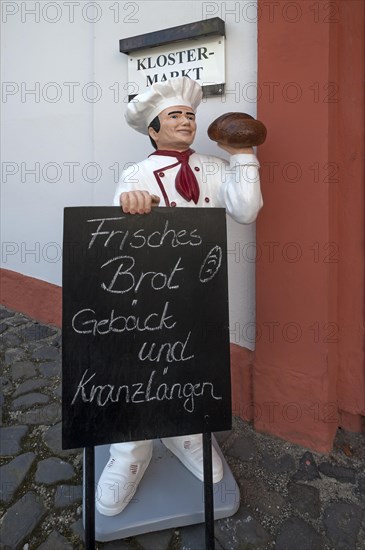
x=237, y=130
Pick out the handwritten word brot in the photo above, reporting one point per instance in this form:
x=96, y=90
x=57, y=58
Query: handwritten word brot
x=129, y=281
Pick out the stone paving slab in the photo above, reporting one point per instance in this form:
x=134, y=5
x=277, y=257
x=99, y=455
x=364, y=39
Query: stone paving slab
x=47, y=415
x=343, y=521
x=20, y=369
x=11, y=439
x=28, y=400
x=20, y=520
x=66, y=495
x=53, y=470
x=296, y=533
x=55, y=541
x=305, y=499
x=342, y=474
x=291, y=498
x=13, y=474
x=243, y=529
x=29, y=386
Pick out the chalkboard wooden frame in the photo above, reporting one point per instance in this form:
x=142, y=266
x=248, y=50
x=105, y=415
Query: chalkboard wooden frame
x=172, y=322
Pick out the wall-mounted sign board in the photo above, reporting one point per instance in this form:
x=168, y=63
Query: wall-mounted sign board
x=201, y=60
x=145, y=324
x=196, y=50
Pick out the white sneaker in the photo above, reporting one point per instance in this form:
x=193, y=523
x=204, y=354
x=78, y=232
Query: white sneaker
x=119, y=481
x=189, y=450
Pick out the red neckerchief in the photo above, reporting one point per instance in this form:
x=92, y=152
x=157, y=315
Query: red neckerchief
x=186, y=183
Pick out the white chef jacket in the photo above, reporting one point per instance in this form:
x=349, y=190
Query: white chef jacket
x=233, y=185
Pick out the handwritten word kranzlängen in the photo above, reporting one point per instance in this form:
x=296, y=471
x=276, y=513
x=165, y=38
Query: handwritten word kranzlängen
x=141, y=392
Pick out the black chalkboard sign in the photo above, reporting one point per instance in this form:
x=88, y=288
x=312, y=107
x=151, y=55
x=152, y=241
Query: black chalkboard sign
x=145, y=324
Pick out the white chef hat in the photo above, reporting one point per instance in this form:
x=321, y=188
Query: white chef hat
x=161, y=95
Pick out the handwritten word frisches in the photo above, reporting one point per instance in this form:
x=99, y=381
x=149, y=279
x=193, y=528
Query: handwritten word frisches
x=142, y=392
x=139, y=238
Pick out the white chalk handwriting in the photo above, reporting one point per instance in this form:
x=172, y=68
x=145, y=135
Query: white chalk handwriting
x=170, y=352
x=125, y=280
x=138, y=239
x=84, y=322
x=211, y=264
x=142, y=392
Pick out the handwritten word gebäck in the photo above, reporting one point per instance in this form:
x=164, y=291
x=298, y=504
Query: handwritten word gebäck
x=85, y=318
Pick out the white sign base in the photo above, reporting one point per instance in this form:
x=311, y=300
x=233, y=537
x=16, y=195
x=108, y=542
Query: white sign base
x=168, y=496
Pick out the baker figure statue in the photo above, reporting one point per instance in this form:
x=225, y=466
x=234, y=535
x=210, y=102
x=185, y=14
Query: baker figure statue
x=174, y=175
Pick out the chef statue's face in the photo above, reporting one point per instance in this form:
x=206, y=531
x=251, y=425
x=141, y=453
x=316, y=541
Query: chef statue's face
x=177, y=129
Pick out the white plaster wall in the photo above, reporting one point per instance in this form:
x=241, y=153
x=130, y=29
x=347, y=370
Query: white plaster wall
x=90, y=127
x=37, y=131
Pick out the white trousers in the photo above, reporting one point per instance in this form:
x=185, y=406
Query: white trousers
x=137, y=450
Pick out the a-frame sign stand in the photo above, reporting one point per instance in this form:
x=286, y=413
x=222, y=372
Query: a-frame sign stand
x=89, y=498
x=208, y=490
x=144, y=344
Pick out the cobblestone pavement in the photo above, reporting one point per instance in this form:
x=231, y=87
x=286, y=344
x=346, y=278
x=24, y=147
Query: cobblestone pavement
x=291, y=498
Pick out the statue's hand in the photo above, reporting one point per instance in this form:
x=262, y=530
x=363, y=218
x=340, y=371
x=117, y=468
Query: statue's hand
x=235, y=150
x=138, y=202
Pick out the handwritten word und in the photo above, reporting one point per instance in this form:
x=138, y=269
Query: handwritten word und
x=172, y=352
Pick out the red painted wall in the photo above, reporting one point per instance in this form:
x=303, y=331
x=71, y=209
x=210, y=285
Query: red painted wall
x=309, y=275
x=35, y=298
x=350, y=154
